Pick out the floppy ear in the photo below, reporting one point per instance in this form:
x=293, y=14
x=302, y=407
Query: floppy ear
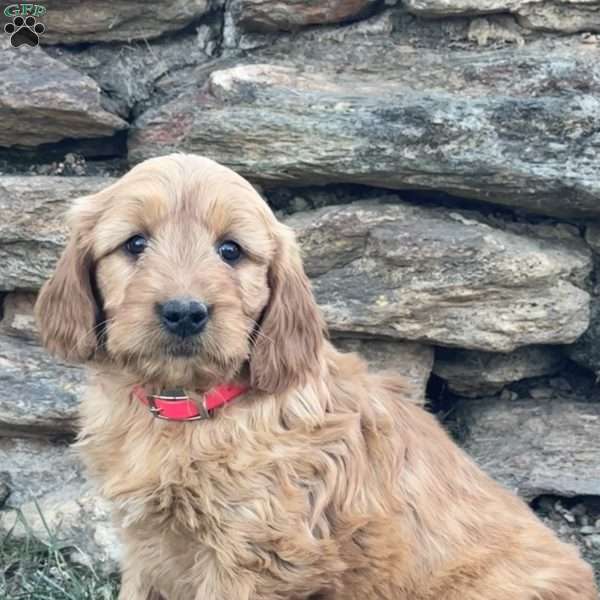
x=66, y=309
x=291, y=333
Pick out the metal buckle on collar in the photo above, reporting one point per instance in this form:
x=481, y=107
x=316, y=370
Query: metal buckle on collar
x=204, y=412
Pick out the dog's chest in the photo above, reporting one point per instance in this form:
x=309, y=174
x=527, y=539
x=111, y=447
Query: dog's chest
x=252, y=505
x=215, y=522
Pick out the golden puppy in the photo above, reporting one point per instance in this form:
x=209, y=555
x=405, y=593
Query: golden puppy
x=310, y=478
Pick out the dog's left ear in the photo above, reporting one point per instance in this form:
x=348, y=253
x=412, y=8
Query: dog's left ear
x=66, y=309
x=288, y=344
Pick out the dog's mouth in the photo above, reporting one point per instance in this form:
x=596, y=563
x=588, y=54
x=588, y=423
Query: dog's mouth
x=182, y=348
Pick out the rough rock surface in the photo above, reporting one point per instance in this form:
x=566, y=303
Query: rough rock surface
x=72, y=21
x=515, y=126
x=43, y=393
x=446, y=8
x=536, y=447
x=272, y=15
x=46, y=478
x=379, y=24
x=33, y=468
x=586, y=350
x=17, y=316
x=410, y=359
x=592, y=236
x=42, y=100
x=566, y=16
x=437, y=276
x=82, y=520
x=473, y=374
x=495, y=29
x=33, y=228
x=575, y=522
x=133, y=75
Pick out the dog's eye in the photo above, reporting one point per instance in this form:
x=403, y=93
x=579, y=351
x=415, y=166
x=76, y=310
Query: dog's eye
x=229, y=251
x=136, y=245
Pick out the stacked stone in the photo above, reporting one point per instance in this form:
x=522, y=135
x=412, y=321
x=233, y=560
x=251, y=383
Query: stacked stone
x=438, y=159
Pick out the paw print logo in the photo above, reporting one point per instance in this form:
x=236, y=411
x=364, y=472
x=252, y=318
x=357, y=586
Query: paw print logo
x=24, y=31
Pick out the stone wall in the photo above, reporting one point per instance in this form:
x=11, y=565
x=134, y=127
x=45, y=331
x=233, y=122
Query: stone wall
x=439, y=160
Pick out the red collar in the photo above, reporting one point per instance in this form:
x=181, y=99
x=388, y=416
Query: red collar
x=175, y=406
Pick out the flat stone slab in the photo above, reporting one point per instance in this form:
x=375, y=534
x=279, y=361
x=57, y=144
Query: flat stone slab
x=106, y=21
x=536, y=447
x=42, y=100
x=33, y=227
x=565, y=16
x=470, y=373
x=437, y=276
x=287, y=15
x=517, y=126
x=17, y=316
x=40, y=395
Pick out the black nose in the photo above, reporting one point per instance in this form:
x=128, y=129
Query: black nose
x=183, y=317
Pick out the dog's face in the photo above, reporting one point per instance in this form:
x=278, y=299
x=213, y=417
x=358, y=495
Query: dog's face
x=180, y=274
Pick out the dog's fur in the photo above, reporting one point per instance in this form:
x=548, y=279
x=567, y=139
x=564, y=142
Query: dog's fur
x=324, y=481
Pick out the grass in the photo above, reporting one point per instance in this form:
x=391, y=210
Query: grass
x=31, y=569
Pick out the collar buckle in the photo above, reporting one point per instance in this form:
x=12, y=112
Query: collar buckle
x=203, y=412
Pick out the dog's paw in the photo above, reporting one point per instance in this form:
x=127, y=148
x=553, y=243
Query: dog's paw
x=24, y=31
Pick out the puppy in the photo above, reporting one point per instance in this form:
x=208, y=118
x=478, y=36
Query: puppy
x=279, y=468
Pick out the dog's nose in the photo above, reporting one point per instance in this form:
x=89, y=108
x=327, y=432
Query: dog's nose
x=183, y=317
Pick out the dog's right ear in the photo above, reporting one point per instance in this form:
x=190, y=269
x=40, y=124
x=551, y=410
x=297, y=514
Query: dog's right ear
x=66, y=309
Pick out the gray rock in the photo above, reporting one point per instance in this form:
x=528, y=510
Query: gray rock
x=592, y=236
x=273, y=15
x=47, y=486
x=587, y=530
x=34, y=468
x=541, y=392
x=71, y=21
x=410, y=359
x=4, y=493
x=508, y=395
x=515, y=127
x=498, y=28
x=553, y=515
x=453, y=8
x=42, y=100
x=238, y=37
x=566, y=16
x=33, y=228
x=473, y=374
x=436, y=276
x=136, y=74
x=594, y=541
x=586, y=350
x=17, y=316
x=536, y=447
x=561, y=384
x=41, y=394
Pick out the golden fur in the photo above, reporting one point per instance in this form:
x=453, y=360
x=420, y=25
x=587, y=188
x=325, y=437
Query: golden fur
x=324, y=481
